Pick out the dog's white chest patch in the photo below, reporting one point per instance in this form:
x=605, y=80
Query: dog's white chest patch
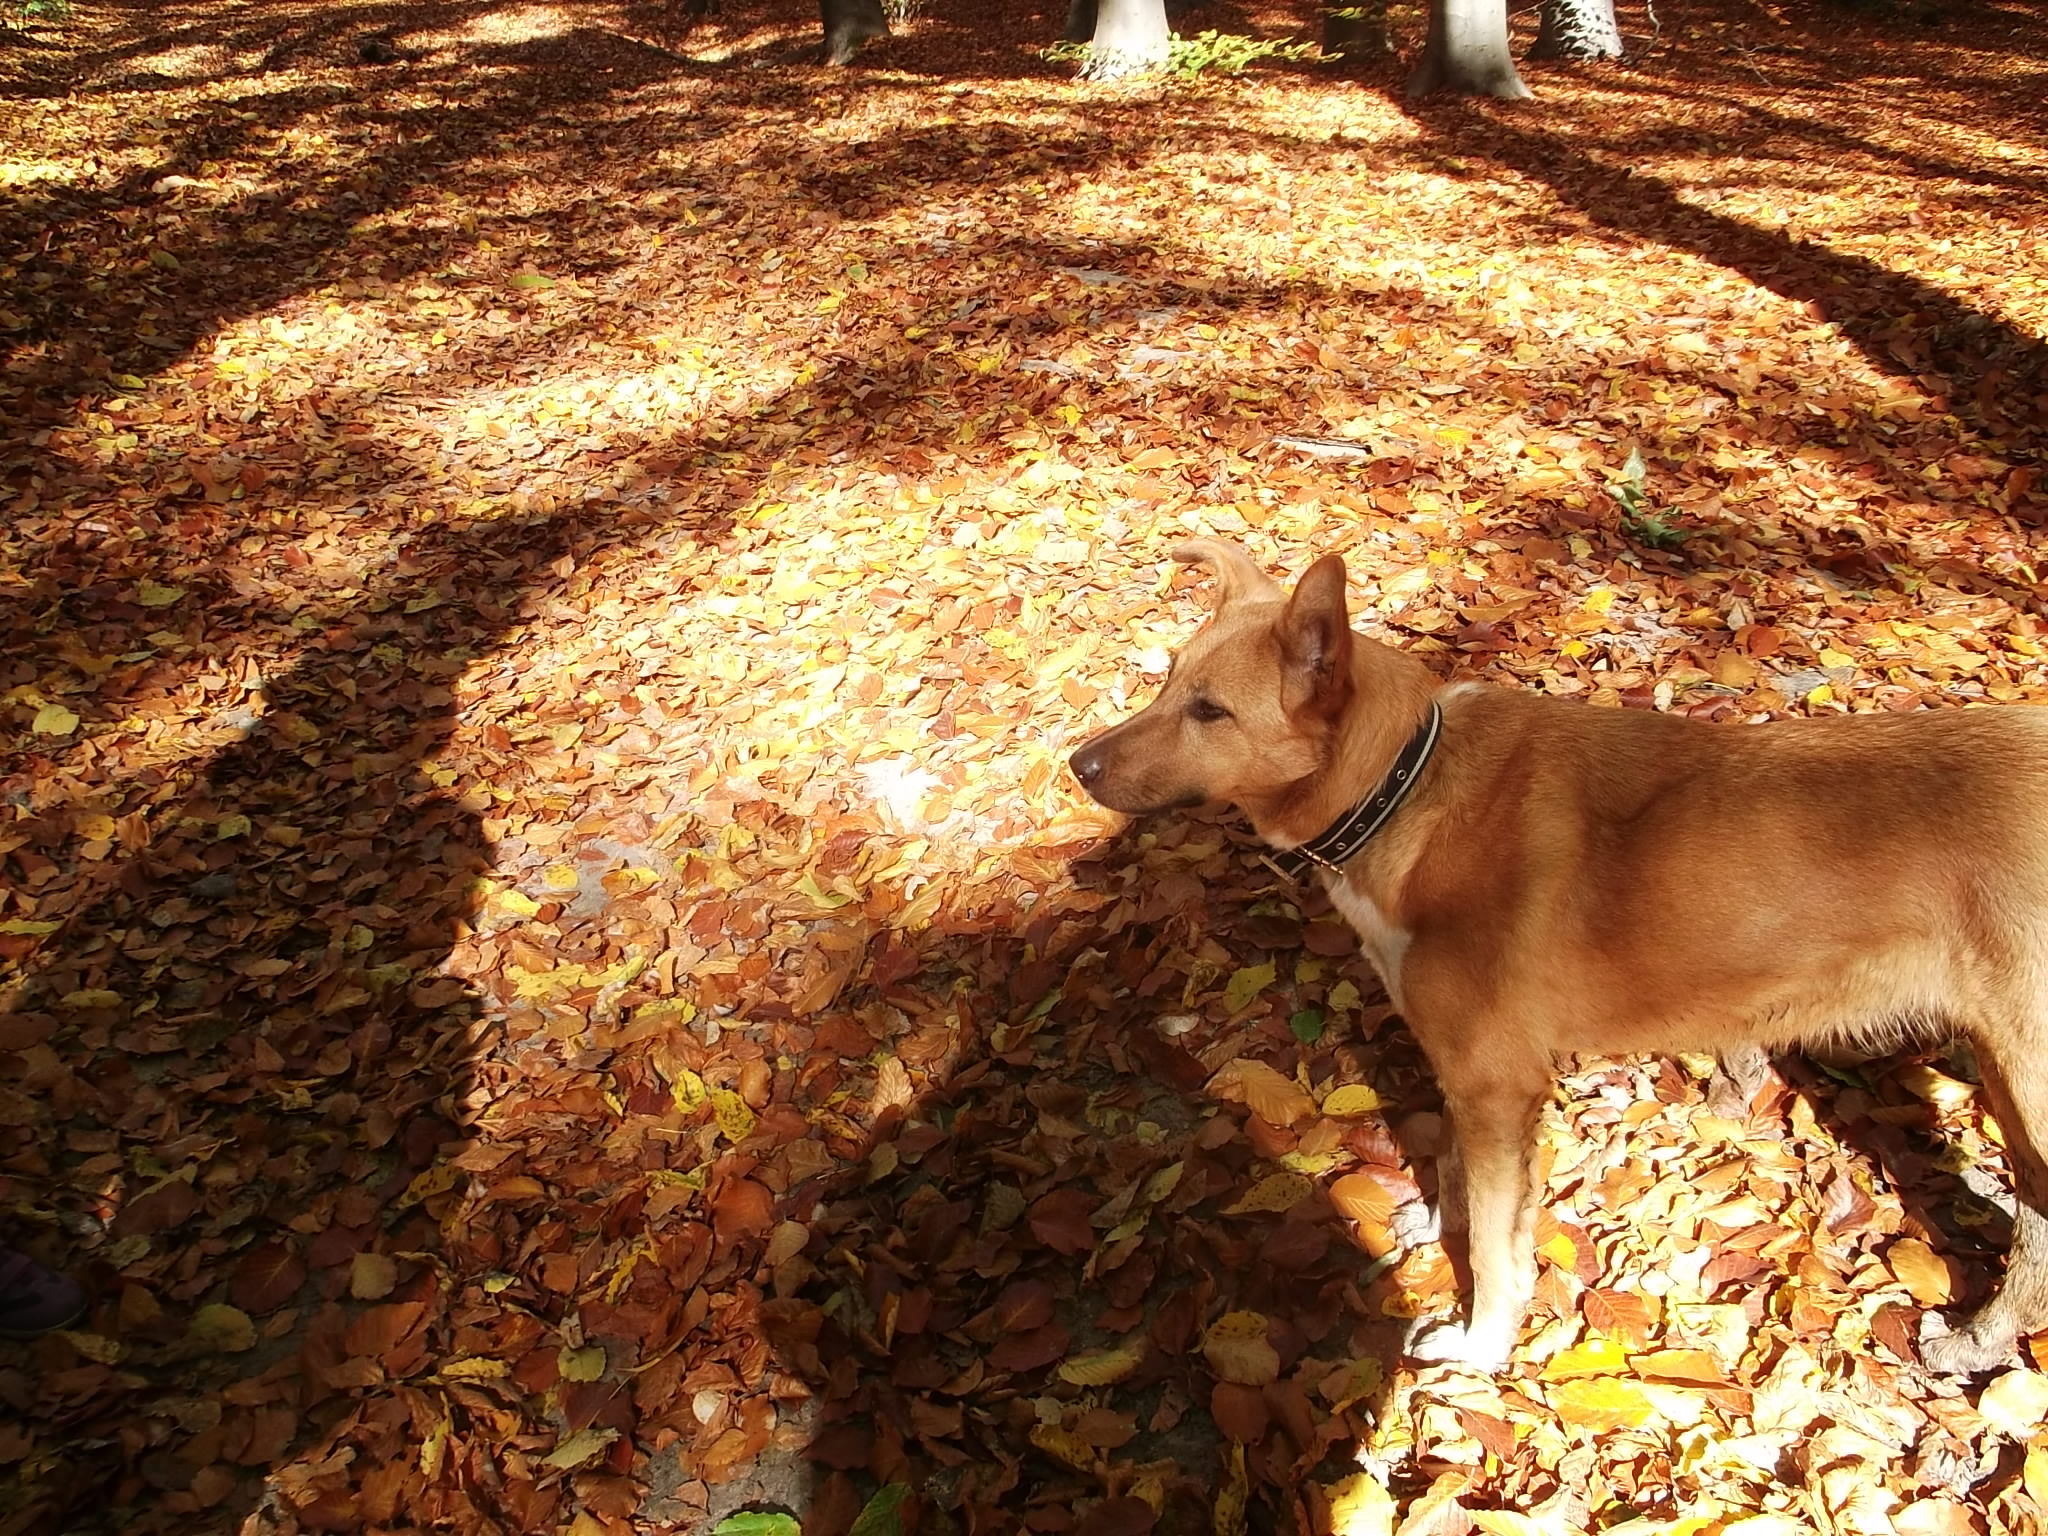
x=1384, y=943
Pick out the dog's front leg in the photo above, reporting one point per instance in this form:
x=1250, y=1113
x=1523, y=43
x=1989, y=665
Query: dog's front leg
x=1483, y=1186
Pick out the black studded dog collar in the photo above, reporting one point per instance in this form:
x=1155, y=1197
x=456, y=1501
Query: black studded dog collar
x=1330, y=848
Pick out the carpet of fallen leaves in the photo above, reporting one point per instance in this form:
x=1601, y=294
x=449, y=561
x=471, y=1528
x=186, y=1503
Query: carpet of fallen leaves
x=554, y=979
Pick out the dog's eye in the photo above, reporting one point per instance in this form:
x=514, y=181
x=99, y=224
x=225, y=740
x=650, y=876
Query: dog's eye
x=1207, y=711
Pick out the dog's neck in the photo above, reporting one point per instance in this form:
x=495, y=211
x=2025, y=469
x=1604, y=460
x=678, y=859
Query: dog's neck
x=1390, y=696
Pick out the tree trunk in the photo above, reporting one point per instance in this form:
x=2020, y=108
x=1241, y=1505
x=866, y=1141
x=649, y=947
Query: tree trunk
x=1130, y=39
x=849, y=24
x=1467, y=51
x=1356, y=31
x=1577, y=29
x=1080, y=22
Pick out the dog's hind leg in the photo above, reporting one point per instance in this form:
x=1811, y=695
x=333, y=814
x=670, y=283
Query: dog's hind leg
x=1493, y=1107
x=2017, y=1092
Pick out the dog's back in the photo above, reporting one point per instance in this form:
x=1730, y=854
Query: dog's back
x=1690, y=885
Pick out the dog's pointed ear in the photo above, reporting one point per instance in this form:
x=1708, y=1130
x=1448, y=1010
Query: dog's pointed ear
x=1237, y=574
x=1315, y=631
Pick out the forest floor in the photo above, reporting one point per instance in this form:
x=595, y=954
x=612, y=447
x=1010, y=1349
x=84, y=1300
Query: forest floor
x=554, y=977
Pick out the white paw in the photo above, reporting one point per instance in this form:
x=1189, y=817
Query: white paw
x=1416, y=1223
x=1951, y=1351
x=1446, y=1343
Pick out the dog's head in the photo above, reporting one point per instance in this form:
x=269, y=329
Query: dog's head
x=1250, y=703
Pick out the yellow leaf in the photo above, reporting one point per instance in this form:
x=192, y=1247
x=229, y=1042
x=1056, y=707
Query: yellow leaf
x=437, y=1180
x=518, y=902
x=735, y=1119
x=2036, y=1474
x=237, y=825
x=475, y=1368
x=95, y=1347
x=1595, y=1357
x=150, y=595
x=1599, y=600
x=54, y=720
x=688, y=1090
x=2016, y=1403
x=1361, y=1506
x=1834, y=658
x=1101, y=1368
x=818, y=895
x=1065, y=1445
x=559, y=877
x=25, y=928
x=221, y=1329
x=1163, y=1182
x=1315, y=1164
x=1821, y=695
x=434, y=1446
x=1680, y=1407
x=1246, y=984
x=1233, y=1498
x=1351, y=1099
x=1921, y=1271
x=1937, y=1088
x=1344, y=996
x=527, y=983
x=1275, y=1192
x=1238, y=1349
x=586, y=1364
x=1560, y=1250
x=1264, y=1091
x=1602, y=1404
x=1505, y=1522
x=1351, y=1383
x=580, y=1447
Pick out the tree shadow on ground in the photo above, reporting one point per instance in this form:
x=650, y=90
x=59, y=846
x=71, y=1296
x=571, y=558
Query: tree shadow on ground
x=1992, y=374
x=239, y=1052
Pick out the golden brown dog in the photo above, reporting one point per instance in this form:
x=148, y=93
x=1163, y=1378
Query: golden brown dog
x=1534, y=877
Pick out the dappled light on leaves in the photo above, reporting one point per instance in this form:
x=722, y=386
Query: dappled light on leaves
x=554, y=978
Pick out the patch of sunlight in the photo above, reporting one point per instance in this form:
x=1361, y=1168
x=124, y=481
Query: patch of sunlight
x=198, y=61
x=27, y=173
x=520, y=24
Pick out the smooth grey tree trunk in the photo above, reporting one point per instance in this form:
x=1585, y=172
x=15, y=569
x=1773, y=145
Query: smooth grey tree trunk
x=1577, y=29
x=849, y=24
x=1130, y=39
x=1467, y=50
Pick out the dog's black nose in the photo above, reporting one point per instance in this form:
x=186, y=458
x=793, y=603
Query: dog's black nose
x=1087, y=766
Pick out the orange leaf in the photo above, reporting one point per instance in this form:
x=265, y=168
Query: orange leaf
x=1266, y=1092
x=1922, y=1271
